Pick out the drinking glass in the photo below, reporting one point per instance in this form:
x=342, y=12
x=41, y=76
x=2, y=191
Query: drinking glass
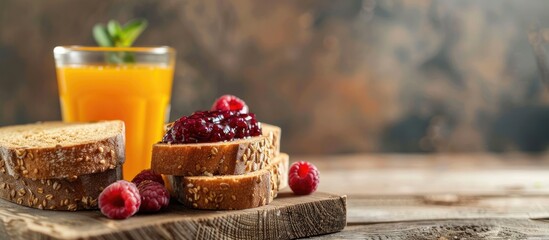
x=129, y=84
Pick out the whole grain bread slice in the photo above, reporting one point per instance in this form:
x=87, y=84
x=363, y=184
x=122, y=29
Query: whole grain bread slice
x=68, y=194
x=232, y=192
x=61, y=150
x=220, y=158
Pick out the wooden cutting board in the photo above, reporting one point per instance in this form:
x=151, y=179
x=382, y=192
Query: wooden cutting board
x=287, y=217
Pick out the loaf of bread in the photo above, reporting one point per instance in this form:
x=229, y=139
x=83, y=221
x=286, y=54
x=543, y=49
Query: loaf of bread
x=60, y=166
x=61, y=150
x=75, y=193
x=220, y=158
x=232, y=191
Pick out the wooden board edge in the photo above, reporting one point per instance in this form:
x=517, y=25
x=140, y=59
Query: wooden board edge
x=325, y=216
x=289, y=217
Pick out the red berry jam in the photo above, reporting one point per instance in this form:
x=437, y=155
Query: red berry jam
x=213, y=126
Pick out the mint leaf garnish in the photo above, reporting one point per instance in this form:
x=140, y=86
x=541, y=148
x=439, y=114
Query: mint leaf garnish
x=116, y=35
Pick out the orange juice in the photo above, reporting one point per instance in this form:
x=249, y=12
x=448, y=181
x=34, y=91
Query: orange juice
x=138, y=94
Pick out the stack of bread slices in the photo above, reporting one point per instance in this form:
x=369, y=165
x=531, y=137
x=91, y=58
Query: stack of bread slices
x=237, y=174
x=60, y=166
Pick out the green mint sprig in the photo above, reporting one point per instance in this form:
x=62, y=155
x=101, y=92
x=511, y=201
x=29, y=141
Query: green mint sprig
x=116, y=35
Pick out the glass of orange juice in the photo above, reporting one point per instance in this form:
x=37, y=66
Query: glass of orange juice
x=130, y=84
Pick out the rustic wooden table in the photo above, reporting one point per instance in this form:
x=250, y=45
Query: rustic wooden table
x=474, y=196
x=457, y=196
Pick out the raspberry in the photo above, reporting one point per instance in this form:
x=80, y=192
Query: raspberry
x=120, y=200
x=303, y=178
x=147, y=174
x=230, y=103
x=212, y=126
x=154, y=196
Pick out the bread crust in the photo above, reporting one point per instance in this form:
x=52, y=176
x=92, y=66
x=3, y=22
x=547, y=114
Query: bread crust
x=68, y=194
x=64, y=161
x=231, y=192
x=221, y=158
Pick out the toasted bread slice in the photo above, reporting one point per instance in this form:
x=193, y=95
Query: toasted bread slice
x=219, y=158
x=232, y=191
x=61, y=150
x=70, y=194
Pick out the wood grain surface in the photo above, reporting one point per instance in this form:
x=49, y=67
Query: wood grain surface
x=449, y=196
x=448, y=230
x=441, y=196
x=288, y=217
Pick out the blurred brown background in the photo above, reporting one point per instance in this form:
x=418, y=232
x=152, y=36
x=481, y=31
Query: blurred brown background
x=337, y=76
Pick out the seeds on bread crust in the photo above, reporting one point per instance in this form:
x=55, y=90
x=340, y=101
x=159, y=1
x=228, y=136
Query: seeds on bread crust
x=20, y=153
x=43, y=151
x=56, y=186
x=40, y=194
x=213, y=152
x=222, y=158
x=250, y=190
